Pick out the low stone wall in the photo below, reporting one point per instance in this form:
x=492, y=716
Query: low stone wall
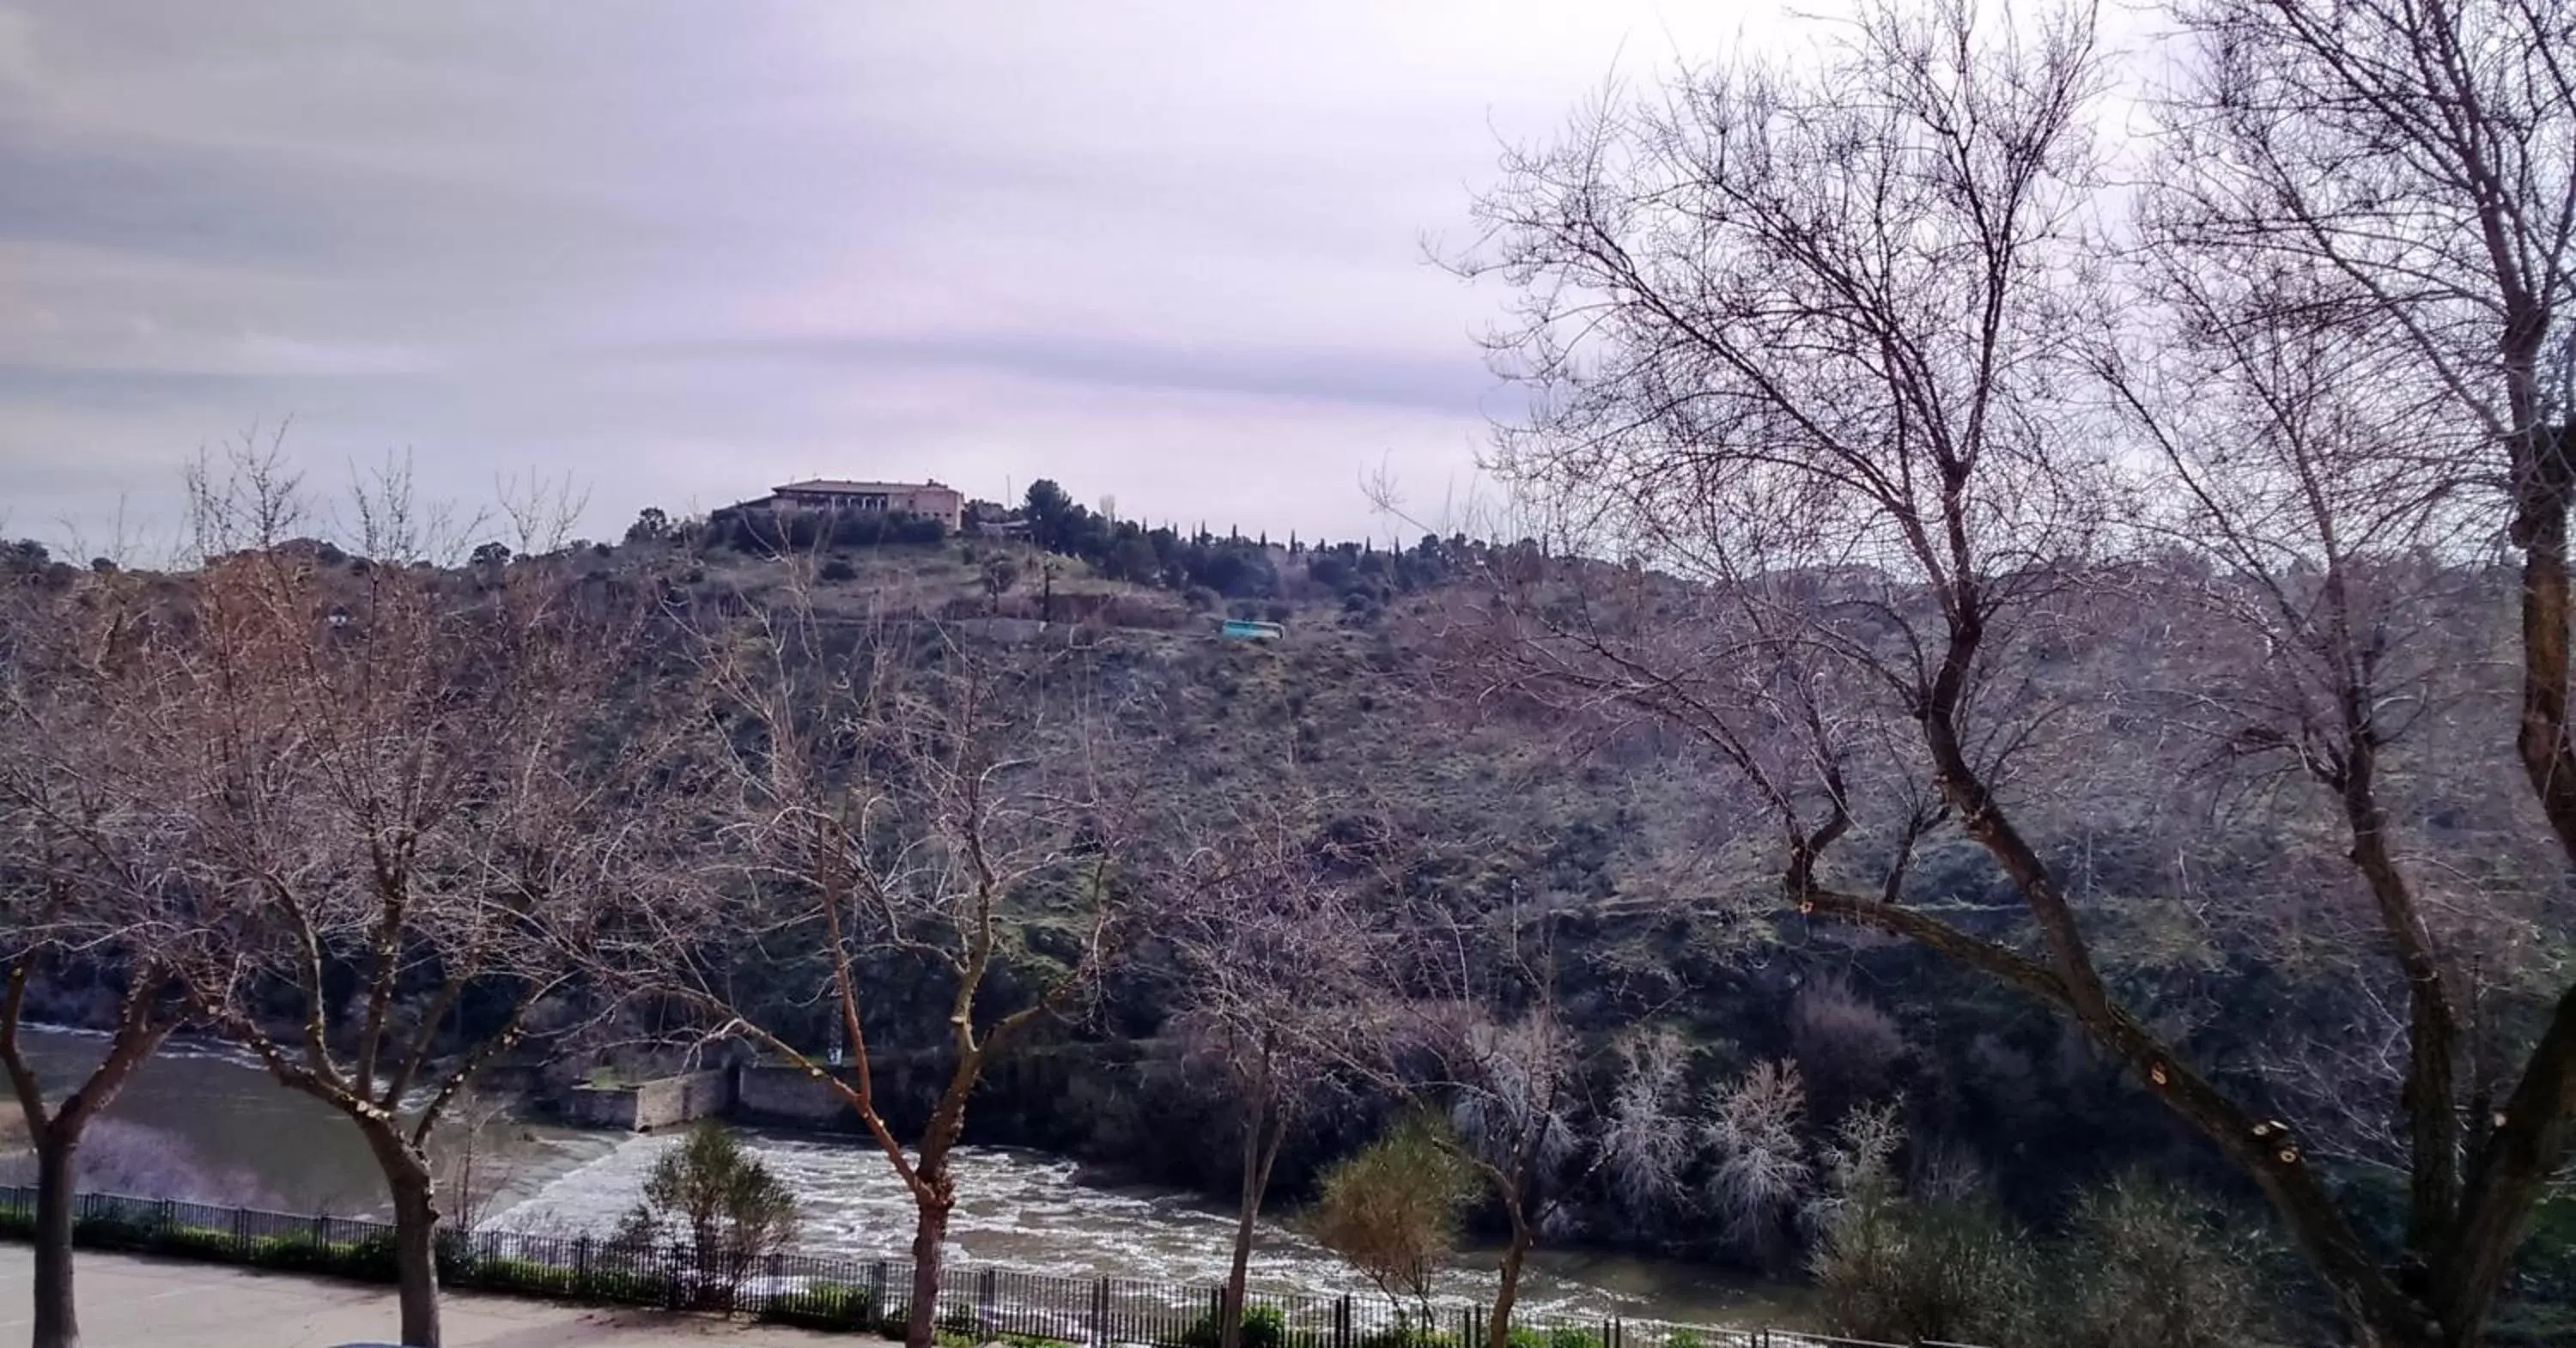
x=647, y=1106
x=682, y=1099
x=778, y=1094
x=600, y=1107
x=1058, y=1097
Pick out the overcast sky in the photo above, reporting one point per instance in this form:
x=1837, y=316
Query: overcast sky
x=1170, y=253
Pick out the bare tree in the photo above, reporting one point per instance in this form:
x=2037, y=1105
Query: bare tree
x=2321, y=480
x=1264, y=962
x=412, y=798
x=89, y=873
x=1815, y=345
x=1846, y=1049
x=905, y=798
x=1517, y=1087
x=1646, y=1133
x=1812, y=339
x=1458, y=1015
x=1762, y=1172
x=470, y=1165
x=2421, y=157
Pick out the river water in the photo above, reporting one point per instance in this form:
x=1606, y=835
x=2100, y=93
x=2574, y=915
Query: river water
x=1037, y=1213
x=288, y=1148
x=1021, y=1210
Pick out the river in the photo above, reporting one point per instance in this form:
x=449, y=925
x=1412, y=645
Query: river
x=290, y=1148
x=1016, y=1209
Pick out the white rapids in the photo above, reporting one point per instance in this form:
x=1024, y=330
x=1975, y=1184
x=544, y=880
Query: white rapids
x=1023, y=1211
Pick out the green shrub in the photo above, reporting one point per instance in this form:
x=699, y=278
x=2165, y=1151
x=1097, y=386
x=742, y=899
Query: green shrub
x=460, y=1264
x=1892, y=1266
x=1263, y=1327
x=112, y=1231
x=1563, y=1336
x=298, y=1253
x=634, y=1289
x=717, y=1200
x=196, y=1242
x=2149, y=1265
x=370, y=1258
x=1407, y=1336
x=1905, y=1269
x=825, y=1305
x=1685, y=1338
x=499, y=1274
x=1391, y=1209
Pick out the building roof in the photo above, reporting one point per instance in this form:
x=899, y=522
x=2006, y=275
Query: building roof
x=834, y=484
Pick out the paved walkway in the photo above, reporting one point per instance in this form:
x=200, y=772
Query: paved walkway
x=132, y=1302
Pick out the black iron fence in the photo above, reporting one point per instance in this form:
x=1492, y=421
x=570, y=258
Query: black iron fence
x=976, y=1305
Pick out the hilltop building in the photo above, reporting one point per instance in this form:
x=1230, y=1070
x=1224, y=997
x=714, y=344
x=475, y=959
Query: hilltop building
x=929, y=500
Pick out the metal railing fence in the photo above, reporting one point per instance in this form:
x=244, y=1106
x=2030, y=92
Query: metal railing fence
x=978, y=1303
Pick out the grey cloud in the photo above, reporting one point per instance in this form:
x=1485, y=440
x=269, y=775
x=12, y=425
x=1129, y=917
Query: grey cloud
x=1153, y=249
x=1454, y=383
x=209, y=204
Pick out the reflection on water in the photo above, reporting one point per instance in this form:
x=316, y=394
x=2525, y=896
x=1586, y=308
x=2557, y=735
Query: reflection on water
x=235, y=1117
x=304, y=1154
x=1029, y=1211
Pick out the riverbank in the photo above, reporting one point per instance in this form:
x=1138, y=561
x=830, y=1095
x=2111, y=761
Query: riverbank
x=130, y=1301
x=1037, y=1211
x=975, y=1305
x=1050, y=1215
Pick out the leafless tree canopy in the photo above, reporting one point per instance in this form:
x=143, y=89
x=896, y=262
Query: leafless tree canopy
x=405, y=791
x=886, y=799
x=1890, y=395
x=92, y=872
x=1269, y=965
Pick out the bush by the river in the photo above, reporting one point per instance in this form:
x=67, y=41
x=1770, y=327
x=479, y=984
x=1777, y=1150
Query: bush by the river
x=1391, y=1210
x=712, y=1197
x=2141, y=1264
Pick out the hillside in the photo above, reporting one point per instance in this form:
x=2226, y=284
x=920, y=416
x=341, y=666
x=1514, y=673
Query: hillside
x=1663, y=890
x=2220, y=908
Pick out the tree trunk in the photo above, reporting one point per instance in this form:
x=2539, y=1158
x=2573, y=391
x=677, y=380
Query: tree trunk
x=929, y=1239
x=415, y=1233
x=934, y=1189
x=1230, y=1313
x=57, y=1317
x=1262, y=1135
x=57, y=1139
x=1498, y=1331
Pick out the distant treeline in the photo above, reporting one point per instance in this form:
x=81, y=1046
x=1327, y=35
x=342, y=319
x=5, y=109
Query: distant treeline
x=1230, y=566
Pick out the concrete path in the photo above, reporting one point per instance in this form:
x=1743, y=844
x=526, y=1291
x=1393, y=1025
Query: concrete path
x=132, y=1302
